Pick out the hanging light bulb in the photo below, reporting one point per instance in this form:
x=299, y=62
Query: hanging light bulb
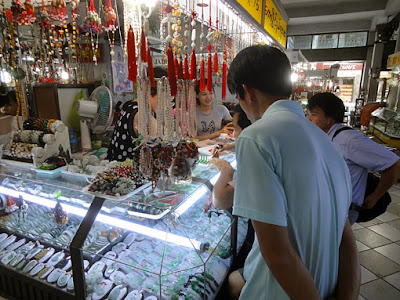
x=64, y=75
x=5, y=77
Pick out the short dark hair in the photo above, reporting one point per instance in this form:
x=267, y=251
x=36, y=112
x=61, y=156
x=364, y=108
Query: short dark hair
x=158, y=73
x=243, y=121
x=331, y=105
x=264, y=68
x=6, y=97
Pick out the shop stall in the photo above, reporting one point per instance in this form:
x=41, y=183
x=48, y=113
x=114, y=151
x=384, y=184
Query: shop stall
x=385, y=121
x=57, y=241
x=79, y=226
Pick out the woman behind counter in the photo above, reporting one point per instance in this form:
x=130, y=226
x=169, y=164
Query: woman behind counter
x=8, y=109
x=209, y=117
x=126, y=128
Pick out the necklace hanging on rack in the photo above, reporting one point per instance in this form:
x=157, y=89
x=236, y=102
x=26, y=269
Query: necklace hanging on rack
x=110, y=18
x=146, y=161
x=224, y=71
x=29, y=14
x=144, y=108
x=176, y=41
x=93, y=27
x=192, y=109
x=75, y=15
x=161, y=95
x=169, y=113
x=217, y=35
x=17, y=12
x=131, y=18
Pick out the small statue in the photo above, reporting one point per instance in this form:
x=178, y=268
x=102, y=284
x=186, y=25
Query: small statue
x=60, y=217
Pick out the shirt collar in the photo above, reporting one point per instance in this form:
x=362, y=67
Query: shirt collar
x=284, y=105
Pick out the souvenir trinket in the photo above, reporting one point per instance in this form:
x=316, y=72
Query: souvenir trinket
x=60, y=217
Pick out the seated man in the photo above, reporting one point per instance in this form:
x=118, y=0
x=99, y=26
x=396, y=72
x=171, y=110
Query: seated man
x=360, y=153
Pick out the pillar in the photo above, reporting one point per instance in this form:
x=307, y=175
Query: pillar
x=376, y=64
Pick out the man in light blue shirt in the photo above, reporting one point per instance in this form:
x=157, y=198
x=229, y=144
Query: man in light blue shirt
x=360, y=153
x=293, y=185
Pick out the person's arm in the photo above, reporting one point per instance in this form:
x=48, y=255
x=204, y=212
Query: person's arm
x=284, y=263
x=349, y=275
x=370, y=155
x=224, y=147
x=136, y=124
x=226, y=129
x=223, y=192
x=388, y=178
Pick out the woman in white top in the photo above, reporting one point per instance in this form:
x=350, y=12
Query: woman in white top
x=209, y=117
x=8, y=110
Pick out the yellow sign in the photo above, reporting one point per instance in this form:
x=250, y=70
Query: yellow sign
x=274, y=23
x=393, y=60
x=253, y=7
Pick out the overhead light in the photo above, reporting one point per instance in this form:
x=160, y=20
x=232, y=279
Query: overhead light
x=309, y=83
x=64, y=75
x=202, y=3
x=294, y=77
x=5, y=77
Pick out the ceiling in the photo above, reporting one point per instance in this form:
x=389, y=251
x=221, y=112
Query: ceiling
x=325, y=16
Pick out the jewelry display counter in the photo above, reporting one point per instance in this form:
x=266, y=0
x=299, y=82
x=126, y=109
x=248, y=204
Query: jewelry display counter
x=59, y=242
x=385, y=125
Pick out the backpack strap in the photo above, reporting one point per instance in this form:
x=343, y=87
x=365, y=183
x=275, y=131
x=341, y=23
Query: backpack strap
x=340, y=130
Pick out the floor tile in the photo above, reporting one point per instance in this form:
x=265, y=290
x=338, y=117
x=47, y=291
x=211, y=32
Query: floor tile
x=395, y=199
x=391, y=251
x=366, y=275
x=395, y=223
x=387, y=216
x=394, y=280
x=361, y=247
x=394, y=208
x=387, y=231
x=356, y=226
x=379, y=290
x=370, y=238
x=361, y=297
x=370, y=223
x=394, y=192
x=377, y=263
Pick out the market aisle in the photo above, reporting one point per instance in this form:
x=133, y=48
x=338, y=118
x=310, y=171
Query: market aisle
x=378, y=243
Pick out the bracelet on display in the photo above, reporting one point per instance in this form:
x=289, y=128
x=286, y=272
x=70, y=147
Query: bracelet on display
x=114, y=235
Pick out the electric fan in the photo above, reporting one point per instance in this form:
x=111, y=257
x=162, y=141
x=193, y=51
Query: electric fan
x=96, y=114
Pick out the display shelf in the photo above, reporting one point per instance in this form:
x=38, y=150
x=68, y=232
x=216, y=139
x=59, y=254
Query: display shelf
x=385, y=125
x=166, y=255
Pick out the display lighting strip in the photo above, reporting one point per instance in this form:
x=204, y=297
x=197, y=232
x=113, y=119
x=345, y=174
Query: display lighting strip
x=155, y=233
x=198, y=194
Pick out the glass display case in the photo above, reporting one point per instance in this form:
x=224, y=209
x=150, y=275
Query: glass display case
x=57, y=241
x=386, y=121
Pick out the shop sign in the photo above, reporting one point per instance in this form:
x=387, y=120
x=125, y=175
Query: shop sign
x=274, y=23
x=253, y=7
x=393, y=60
x=343, y=67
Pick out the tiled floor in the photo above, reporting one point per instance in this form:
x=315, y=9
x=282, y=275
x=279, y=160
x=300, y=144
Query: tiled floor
x=378, y=243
